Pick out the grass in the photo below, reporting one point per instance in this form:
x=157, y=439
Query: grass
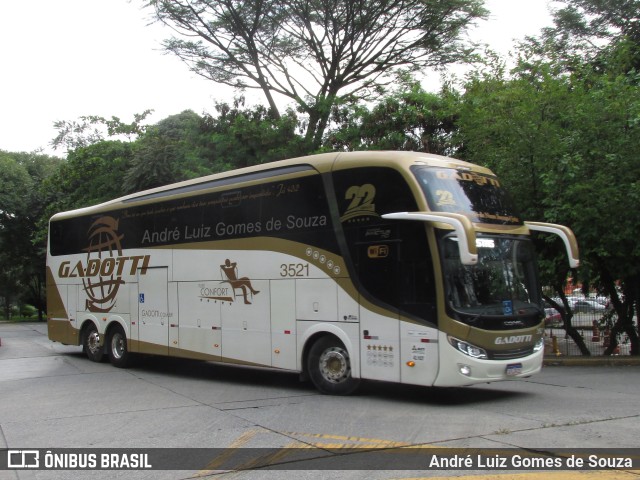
x=18, y=319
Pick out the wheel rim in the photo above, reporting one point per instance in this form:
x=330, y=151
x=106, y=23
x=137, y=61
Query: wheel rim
x=118, y=345
x=93, y=342
x=334, y=365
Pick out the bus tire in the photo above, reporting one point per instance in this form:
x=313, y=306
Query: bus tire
x=329, y=367
x=91, y=343
x=117, y=348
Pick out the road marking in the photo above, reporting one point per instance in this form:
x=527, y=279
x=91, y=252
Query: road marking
x=348, y=441
x=329, y=441
x=559, y=474
x=229, y=452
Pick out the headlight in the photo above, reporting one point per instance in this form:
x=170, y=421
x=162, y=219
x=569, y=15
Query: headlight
x=467, y=348
x=539, y=345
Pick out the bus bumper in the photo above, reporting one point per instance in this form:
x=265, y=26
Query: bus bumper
x=458, y=369
x=61, y=330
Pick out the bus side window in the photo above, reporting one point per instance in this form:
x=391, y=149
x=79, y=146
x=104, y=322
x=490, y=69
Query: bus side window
x=398, y=271
x=392, y=260
x=377, y=267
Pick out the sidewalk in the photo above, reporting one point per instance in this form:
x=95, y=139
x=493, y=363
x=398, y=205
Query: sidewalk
x=568, y=353
x=592, y=361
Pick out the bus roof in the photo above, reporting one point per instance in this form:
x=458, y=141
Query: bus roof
x=319, y=163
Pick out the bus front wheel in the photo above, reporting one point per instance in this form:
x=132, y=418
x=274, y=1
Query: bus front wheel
x=91, y=343
x=329, y=367
x=117, y=347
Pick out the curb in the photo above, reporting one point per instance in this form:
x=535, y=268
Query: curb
x=592, y=361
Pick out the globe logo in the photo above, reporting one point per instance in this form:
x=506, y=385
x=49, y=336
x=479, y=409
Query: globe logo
x=102, y=279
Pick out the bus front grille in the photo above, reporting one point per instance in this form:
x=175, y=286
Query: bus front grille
x=510, y=354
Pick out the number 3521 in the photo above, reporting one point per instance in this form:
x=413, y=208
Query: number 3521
x=294, y=270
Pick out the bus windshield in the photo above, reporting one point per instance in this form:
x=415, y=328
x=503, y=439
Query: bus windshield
x=502, y=287
x=478, y=196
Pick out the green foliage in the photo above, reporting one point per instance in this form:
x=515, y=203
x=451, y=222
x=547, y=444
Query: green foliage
x=241, y=137
x=567, y=144
x=601, y=159
x=601, y=34
x=90, y=175
x=73, y=134
x=409, y=119
x=516, y=128
x=22, y=253
x=28, y=311
x=187, y=145
x=581, y=22
x=13, y=179
x=170, y=151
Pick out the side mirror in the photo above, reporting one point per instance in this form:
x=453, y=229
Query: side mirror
x=567, y=236
x=461, y=224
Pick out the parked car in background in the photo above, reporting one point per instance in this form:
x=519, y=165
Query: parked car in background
x=586, y=305
x=602, y=300
x=552, y=318
x=585, y=310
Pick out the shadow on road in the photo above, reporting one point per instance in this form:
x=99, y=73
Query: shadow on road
x=264, y=377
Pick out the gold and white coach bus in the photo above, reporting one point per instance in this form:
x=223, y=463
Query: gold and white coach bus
x=393, y=266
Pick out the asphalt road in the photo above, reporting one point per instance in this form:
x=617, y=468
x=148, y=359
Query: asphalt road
x=52, y=397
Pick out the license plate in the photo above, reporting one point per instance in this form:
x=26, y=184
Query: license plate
x=514, y=369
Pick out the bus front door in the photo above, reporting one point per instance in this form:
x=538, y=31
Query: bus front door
x=380, y=347
x=400, y=336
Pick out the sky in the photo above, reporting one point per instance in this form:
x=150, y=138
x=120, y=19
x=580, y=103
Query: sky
x=63, y=59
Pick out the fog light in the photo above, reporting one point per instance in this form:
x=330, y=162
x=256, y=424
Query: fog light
x=465, y=370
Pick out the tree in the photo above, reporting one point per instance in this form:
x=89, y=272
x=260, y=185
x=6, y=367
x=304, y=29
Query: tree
x=598, y=44
x=568, y=146
x=240, y=136
x=90, y=175
x=408, y=119
x=579, y=24
x=315, y=52
x=596, y=33
x=22, y=251
x=602, y=161
x=89, y=129
x=188, y=145
x=13, y=180
x=517, y=127
x=172, y=150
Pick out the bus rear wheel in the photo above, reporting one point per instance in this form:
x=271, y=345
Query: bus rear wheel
x=329, y=367
x=119, y=355
x=91, y=343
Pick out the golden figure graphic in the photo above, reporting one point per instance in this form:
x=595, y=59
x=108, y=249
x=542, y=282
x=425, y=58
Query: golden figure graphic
x=231, y=272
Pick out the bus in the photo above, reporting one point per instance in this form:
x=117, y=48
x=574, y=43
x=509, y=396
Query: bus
x=391, y=266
